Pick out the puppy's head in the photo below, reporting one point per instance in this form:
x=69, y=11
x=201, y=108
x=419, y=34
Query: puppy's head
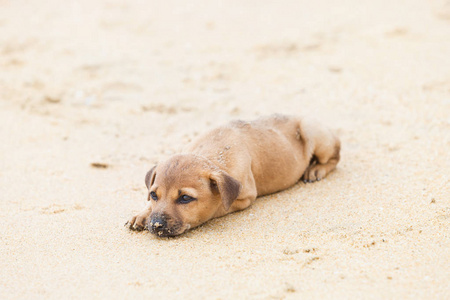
x=186, y=191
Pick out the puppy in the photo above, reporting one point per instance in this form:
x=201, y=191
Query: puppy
x=224, y=171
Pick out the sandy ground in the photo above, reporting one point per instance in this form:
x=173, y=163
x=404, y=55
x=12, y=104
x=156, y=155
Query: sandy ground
x=128, y=83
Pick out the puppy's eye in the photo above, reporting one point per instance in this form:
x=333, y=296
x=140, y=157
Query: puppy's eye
x=153, y=195
x=185, y=199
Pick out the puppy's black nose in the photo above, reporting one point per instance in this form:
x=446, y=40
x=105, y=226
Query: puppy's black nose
x=158, y=224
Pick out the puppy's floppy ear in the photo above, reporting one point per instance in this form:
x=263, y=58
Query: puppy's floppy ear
x=150, y=177
x=226, y=186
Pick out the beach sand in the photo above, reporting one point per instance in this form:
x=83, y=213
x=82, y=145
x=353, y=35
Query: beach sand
x=94, y=93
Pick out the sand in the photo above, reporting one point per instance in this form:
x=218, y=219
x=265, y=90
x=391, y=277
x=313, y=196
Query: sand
x=93, y=93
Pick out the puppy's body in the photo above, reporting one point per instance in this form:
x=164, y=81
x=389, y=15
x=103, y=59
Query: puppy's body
x=226, y=169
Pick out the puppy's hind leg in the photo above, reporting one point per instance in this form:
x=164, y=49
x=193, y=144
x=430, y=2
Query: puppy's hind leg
x=323, y=149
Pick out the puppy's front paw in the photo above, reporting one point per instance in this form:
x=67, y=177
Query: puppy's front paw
x=138, y=222
x=315, y=173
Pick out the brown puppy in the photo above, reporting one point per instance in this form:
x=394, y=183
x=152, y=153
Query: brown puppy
x=226, y=169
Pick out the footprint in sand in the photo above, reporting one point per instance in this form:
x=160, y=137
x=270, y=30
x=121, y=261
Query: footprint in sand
x=58, y=208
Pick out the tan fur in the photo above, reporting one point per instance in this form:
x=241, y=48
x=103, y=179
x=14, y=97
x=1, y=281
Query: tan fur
x=228, y=167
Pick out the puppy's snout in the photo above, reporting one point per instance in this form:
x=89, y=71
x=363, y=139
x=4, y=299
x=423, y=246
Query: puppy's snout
x=158, y=224
x=164, y=225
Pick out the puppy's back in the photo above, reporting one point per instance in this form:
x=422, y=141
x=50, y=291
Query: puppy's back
x=269, y=148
